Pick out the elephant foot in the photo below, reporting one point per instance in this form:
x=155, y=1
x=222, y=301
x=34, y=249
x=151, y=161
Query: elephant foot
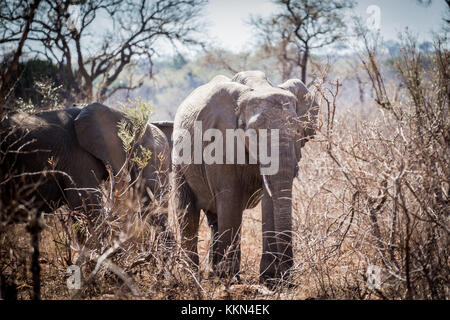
x=270, y=282
x=276, y=280
x=8, y=287
x=226, y=269
x=276, y=283
x=233, y=278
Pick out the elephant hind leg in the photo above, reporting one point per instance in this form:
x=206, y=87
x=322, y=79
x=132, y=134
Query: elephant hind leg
x=188, y=218
x=81, y=190
x=84, y=195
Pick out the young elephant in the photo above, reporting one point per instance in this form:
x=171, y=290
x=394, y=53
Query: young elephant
x=60, y=157
x=225, y=187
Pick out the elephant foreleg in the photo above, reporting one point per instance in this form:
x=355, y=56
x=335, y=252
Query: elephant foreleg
x=229, y=213
x=214, y=244
x=269, y=258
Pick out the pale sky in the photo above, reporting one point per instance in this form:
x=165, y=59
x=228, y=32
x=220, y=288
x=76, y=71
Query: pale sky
x=228, y=28
x=226, y=19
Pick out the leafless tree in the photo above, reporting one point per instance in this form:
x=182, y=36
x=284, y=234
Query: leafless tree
x=95, y=41
x=300, y=27
x=16, y=18
x=427, y=3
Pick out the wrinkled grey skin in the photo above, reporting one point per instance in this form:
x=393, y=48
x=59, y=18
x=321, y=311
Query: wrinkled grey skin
x=223, y=191
x=81, y=142
x=167, y=128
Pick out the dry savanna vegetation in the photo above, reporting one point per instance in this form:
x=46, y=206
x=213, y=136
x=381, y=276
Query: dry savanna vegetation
x=370, y=205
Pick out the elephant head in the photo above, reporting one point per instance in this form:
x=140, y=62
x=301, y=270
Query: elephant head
x=97, y=129
x=307, y=110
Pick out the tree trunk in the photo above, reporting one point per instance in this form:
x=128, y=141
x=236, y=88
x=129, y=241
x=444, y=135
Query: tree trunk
x=34, y=229
x=305, y=64
x=5, y=86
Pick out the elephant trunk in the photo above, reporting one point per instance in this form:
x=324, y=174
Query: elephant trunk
x=280, y=185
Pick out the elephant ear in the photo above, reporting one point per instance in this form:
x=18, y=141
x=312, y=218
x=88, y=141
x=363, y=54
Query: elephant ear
x=307, y=108
x=158, y=130
x=167, y=128
x=96, y=127
x=223, y=106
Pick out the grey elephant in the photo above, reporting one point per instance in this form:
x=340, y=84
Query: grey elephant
x=223, y=189
x=59, y=157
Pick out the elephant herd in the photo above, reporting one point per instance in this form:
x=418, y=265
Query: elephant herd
x=66, y=154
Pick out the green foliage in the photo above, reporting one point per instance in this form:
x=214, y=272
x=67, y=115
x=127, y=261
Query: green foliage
x=39, y=83
x=50, y=97
x=138, y=111
x=126, y=135
x=142, y=159
x=132, y=129
x=49, y=92
x=25, y=106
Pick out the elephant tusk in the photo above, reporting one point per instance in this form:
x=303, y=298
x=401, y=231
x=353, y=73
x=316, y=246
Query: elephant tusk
x=266, y=184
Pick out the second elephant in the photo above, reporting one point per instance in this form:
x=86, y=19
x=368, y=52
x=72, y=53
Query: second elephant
x=76, y=145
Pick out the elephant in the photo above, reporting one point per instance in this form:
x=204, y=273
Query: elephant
x=59, y=157
x=167, y=128
x=223, y=190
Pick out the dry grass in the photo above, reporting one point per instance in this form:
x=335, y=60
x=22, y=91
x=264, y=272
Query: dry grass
x=373, y=191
